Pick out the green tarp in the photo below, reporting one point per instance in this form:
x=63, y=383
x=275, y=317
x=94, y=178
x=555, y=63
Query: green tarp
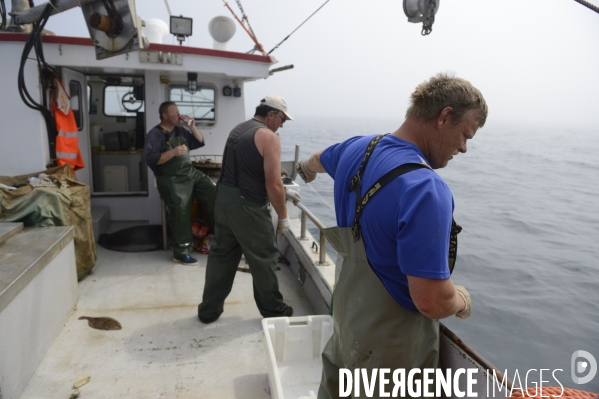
x=67, y=204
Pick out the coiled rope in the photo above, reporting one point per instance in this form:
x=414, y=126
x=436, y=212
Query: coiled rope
x=553, y=392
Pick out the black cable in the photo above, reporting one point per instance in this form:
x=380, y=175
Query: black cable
x=588, y=5
x=277, y=46
x=2, y=15
x=34, y=41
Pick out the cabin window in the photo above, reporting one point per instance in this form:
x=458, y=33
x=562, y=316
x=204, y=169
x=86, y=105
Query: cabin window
x=117, y=97
x=76, y=106
x=200, y=105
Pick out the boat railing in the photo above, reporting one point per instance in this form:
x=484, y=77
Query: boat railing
x=306, y=214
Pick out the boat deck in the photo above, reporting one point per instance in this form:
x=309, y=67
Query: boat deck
x=163, y=350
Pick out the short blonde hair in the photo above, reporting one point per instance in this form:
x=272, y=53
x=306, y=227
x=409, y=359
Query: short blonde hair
x=445, y=90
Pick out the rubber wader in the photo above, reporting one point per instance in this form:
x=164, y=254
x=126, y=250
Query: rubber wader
x=177, y=184
x=371, y=330
x=242, y=226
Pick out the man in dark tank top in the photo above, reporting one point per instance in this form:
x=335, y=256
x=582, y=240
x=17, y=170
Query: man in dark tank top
x=250, y=183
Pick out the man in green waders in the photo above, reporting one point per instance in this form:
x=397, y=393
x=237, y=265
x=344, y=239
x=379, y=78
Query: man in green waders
x=397, y=237
x=167, y=149
x=250, y=183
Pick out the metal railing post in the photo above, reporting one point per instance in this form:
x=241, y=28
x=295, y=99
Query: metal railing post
x=303, y=226
x=323, y=249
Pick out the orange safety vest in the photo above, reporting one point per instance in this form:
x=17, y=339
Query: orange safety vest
x=67, y=141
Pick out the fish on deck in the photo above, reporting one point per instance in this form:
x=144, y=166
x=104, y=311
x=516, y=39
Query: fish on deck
x=102, y=323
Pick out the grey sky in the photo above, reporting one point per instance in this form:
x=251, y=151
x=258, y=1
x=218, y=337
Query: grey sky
x=536, y=61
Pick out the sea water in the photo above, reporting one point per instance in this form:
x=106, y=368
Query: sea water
x=528, y=202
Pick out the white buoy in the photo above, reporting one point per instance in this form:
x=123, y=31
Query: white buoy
x=155, y=30
x=221, y=29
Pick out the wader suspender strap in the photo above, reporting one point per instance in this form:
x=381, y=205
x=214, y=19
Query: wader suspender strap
x=168, y=136
x=234, y=142
x=356, y=185
x=453, y=244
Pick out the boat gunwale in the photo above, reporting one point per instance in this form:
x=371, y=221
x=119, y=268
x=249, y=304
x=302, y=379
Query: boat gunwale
x=479, y=359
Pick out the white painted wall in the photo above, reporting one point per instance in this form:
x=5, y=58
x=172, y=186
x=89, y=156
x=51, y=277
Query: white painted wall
x=32, y=320
x=23, y=133
x=230, y=111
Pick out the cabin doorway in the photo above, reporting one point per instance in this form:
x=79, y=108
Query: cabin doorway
x=75, y=84
x=116, y=135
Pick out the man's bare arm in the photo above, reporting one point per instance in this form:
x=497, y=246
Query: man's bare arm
x=269, y=146
x=196, y=132
x=434, y=298
x=314, y=162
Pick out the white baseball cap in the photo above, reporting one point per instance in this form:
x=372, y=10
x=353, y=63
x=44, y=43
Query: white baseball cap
x=277, y=102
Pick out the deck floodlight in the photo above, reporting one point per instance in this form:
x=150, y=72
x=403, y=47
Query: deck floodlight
x=192, y=82
x=181, y=27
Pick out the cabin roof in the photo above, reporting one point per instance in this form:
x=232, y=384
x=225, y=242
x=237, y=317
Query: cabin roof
x=85, y=41
x=172, y=61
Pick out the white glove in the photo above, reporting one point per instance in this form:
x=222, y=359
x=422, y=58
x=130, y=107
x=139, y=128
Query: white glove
x=464, y=313
x=293, y=196
x=304, y=171
x=284, y=225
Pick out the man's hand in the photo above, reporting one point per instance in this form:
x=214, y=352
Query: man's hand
x=464, y=313
x=304, y=171
x=293, y=196
x=284, y=225
x=179, y=150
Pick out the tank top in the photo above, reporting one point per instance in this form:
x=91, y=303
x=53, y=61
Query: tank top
x=250, y=164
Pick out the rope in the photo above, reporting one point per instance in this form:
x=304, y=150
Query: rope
x=167, y=7
x=554, y=392
x=321, y=197
x=244, y=17
x=277, y=46
x=588, y=5
x=252, y=36
x=3, y=18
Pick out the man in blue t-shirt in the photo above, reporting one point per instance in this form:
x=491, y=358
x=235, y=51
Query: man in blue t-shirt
x=402, y=237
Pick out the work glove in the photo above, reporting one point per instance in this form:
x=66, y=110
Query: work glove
x=464, y=313
x=293, y=196
x=304, y=171
x=284, y=225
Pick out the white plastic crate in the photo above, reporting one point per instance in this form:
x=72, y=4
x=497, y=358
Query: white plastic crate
x=294, y=346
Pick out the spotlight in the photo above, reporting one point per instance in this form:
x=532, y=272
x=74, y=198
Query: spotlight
x=181, y=27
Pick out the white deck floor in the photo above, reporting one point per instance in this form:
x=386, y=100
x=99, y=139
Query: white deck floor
x=163, y=351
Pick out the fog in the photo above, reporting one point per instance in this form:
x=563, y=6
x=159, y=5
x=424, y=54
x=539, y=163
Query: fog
x=536, y=61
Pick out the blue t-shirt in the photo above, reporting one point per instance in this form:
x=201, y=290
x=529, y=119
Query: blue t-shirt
x=406, y=225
